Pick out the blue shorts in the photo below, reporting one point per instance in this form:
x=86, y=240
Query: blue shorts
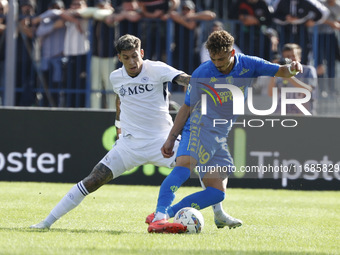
x=210, y=150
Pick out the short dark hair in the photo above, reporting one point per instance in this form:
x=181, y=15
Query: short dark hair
x=292, y=46
x=31, y=3
x=56, y=3
x=127, y=42
x=220, y=41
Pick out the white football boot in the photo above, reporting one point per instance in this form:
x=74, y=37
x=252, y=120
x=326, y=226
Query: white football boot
x=43, y=225
x=223, y=219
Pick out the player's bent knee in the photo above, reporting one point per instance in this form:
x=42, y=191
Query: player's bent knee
x=214, y=183
x=186, y=161
x=99, y=176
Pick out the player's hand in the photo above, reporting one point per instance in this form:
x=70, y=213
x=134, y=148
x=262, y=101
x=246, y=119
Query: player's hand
x=167, y=149
x=295, y=68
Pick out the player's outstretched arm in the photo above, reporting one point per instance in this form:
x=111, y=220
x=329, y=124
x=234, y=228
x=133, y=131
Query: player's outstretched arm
x=287, y=71
x=182, y=79
x=181, y=117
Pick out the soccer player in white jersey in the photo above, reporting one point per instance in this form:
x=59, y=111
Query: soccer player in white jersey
x=142, y=120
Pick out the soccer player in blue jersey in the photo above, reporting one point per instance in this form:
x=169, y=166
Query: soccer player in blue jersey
x=204, y=144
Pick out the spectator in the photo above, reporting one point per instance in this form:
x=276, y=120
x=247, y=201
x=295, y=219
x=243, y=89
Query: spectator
x=3, y=12
x=25, y=62
x=204, y=54
x=127, y=15
x=77, y=45
x=328, y=48
x=103, y=60
x=220, y=7
x=154, y=36
x=256, y=36
x=295, y=17
x=51, y=32
x=158, y=9
x=186, y=36
x=307, y=79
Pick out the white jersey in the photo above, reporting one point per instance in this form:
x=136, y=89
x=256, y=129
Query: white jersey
x=144, y=99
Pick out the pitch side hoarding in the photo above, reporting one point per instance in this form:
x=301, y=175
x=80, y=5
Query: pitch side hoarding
x=53, y=145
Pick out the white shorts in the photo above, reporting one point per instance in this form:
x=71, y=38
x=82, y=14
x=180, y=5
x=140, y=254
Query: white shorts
x=129, y=152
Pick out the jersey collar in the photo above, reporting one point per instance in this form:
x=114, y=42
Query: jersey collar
x=125, y=74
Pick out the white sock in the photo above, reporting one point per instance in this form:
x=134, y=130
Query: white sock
x=71, y=200
x=217, y=207
x=159, y=216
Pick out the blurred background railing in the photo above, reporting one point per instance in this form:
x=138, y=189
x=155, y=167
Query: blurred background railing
x=80, y=83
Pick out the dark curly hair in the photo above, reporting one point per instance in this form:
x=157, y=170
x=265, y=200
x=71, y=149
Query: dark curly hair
x=220, y=41
x=127, y=42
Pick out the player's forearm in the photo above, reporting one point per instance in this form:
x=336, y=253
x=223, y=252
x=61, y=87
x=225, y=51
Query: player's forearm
x=182, y=79
x=117, y=121
x=117, y=108
x=180, y=120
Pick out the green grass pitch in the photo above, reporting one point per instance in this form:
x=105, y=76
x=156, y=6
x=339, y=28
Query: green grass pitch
x=111, y=221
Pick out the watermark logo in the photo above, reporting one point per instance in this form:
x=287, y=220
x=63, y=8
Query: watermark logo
x=238, y=100
x=204, y=97
x=236, y=97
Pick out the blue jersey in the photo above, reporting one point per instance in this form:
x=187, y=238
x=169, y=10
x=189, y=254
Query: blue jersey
x=219, y=101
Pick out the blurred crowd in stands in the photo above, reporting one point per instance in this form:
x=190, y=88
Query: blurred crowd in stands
x=65, y=49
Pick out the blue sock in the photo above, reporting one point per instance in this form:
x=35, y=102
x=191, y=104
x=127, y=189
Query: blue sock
x=170, y=185
x=198, y=200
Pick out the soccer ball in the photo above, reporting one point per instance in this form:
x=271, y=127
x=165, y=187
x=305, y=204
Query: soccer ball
x=191, y=218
